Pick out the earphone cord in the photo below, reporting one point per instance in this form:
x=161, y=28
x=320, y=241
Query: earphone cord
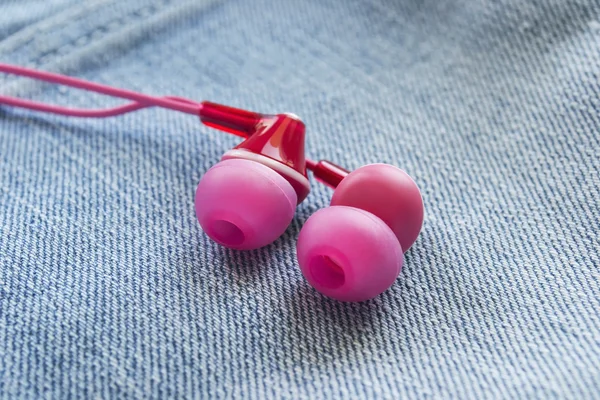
x=138, y=102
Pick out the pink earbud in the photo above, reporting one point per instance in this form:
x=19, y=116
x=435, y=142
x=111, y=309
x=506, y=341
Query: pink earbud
x=247, y=200
x=353, y=250
x=243, y=204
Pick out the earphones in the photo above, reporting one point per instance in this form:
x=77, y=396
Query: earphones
x=352, y=250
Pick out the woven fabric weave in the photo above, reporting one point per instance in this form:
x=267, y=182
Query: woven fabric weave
x=110, y=289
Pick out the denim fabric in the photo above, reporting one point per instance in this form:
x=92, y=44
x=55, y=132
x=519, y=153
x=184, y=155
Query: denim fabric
x=109, y=288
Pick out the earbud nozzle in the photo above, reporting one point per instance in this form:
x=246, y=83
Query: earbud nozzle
x=243, y=204
x=348, y=254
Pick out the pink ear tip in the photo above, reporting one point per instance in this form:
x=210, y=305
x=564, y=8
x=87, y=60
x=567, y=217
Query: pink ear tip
x=348, y=254
x=387, y=192
x=244, y=205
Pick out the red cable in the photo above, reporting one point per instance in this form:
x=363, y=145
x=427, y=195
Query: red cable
x=139, y=100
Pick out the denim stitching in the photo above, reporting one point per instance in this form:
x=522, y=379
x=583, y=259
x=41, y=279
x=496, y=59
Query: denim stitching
x=84, y=39
x=55, y=20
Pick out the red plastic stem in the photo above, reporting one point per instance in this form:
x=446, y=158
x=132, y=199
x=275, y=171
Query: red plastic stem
x=228, y=119
x=327, y=172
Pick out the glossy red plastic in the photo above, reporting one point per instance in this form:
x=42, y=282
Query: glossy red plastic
x=281, y=138
x=274, y=140
x=327, y=172
x=229, y=119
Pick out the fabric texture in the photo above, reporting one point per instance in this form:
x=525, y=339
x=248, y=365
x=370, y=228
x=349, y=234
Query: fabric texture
x=109, y=288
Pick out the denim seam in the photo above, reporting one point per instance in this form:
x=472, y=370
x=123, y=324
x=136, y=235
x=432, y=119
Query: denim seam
x=83, y=40
x=46, y=25
x=69, y=52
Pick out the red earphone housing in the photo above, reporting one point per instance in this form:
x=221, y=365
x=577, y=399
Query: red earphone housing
x=276, y=141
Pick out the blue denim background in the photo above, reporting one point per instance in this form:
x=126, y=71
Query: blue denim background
x=109, y=288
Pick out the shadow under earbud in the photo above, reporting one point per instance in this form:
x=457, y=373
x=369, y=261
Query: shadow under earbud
x=282, y=252
x=248, y=266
